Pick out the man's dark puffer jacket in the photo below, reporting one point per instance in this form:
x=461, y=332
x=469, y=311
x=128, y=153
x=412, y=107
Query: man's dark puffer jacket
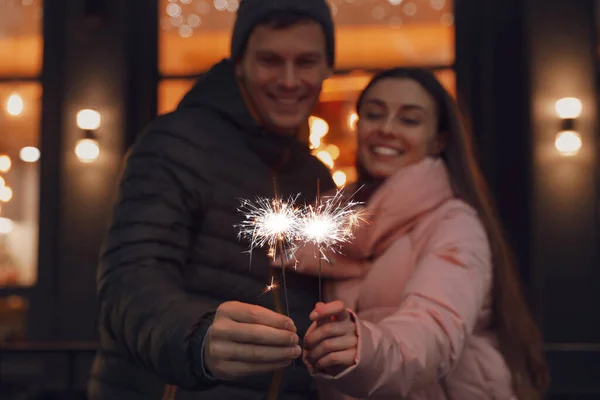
x=172, y=254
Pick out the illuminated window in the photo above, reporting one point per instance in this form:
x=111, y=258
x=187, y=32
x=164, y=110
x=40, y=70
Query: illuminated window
x=170, y=92
x=20, y=99
x=371, y=35
x=21, y=39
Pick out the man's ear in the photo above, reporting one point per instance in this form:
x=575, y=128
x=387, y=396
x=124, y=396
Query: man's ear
x=239, y=69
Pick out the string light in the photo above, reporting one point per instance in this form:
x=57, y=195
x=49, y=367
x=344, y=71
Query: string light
x=6, y=194
x=5, y=163
x=6, y=226
x=184, y=18
x=339, y=177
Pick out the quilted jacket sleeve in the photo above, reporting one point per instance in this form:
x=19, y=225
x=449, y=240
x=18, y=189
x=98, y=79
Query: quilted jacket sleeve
x=143, y=304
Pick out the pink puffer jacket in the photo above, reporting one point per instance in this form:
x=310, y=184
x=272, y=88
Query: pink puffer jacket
x=423, y=306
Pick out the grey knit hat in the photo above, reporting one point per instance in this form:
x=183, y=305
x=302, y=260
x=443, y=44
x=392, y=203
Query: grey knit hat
x=252, y=12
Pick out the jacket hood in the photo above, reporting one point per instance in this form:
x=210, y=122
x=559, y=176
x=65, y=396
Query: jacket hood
x=218, y=91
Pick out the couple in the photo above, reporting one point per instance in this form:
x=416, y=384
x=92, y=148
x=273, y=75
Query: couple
x=424, y=304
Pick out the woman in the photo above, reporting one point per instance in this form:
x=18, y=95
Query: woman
x=438, y=312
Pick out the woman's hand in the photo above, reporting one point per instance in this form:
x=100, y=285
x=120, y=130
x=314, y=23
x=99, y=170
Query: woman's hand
x=331, y=343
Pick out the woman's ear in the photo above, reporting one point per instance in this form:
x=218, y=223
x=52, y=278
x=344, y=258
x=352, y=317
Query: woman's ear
x=439, y=143
x=354, y=124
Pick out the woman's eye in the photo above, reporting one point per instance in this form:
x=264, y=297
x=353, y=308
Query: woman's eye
x=373, y=116
x=410, y=121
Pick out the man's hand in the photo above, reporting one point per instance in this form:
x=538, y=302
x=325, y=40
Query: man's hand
x=331, y=342
x=246, y=339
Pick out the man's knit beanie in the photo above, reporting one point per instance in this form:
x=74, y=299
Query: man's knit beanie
x=254, y=12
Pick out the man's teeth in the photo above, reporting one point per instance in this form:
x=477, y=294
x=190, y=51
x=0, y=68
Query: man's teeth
x=386, y=151
x=287, y=102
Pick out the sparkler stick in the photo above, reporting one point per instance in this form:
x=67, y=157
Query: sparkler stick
x=281, y=257
x=275, y=384
x=320, y=258
x=277, y=379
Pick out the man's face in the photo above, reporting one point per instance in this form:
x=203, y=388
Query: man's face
x=282, y=71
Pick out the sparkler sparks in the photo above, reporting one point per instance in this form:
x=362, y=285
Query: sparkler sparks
x=269, y=223
x=280, y=225
x=271, y=286
x=330, y=224
x=272, y=223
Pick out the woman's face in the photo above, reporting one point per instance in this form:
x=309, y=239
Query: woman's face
x=397, y=126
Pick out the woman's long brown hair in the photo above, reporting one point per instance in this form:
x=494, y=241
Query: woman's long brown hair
x=519, y=339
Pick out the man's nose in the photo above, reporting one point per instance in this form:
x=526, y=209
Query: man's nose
x=290, y=78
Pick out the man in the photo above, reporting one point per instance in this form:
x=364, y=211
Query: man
x=181, y=312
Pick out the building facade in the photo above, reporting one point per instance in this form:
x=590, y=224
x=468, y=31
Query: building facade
x=507, y=63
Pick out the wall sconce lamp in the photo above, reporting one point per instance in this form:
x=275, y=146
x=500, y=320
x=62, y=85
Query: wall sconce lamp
x=568, y=141
x=87, y=148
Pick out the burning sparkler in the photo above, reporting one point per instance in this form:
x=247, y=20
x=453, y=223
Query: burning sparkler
x=330, y=224
x=272, y=223
x=269, y=223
